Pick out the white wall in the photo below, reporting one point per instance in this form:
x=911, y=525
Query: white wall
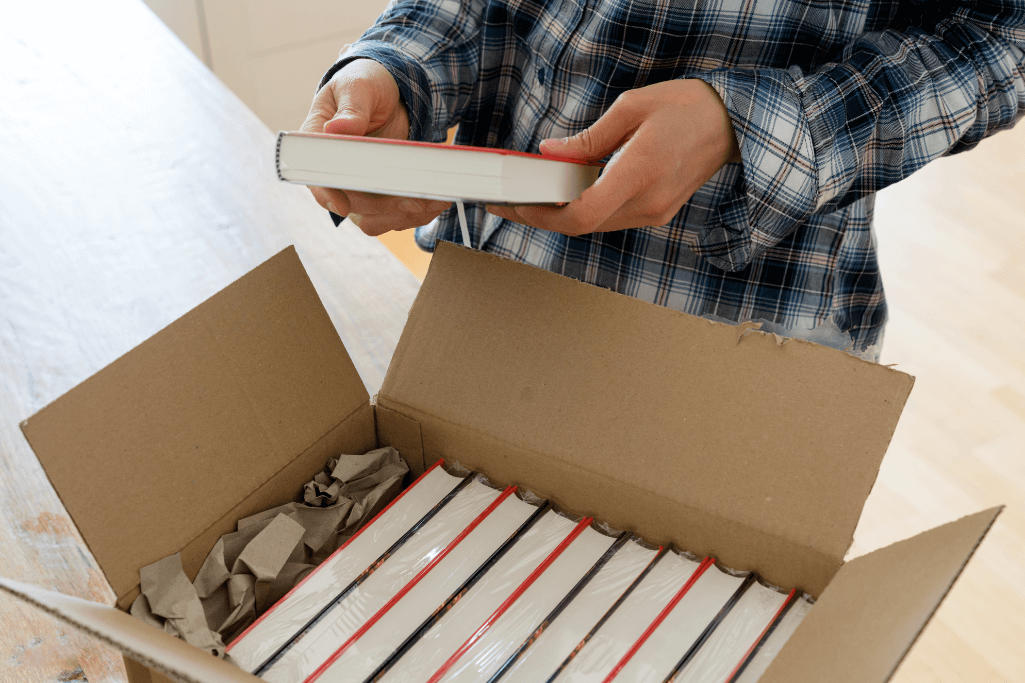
x=271, y=53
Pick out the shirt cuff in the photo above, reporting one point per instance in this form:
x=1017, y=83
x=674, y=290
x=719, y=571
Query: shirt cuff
x=414, y=88
x=777, y=187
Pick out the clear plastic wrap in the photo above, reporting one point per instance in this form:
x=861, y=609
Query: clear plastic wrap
x=682, y=627
x=467, y=616
x=596, y=598
x=290, y=615
x=729, y=644
x=536, y=604
x=607, y=647
x=389, y=628
x=775, y=641
x=321, y=642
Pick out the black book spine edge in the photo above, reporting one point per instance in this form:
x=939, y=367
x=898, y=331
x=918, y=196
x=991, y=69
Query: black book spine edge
x=605, y=617
x=563, y=604
x=364, y=575
x=761, y=641
x=710, y=629
x=456, y=596
x=277, y=155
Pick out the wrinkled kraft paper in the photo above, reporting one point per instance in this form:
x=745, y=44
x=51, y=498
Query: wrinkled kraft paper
x=250, y=569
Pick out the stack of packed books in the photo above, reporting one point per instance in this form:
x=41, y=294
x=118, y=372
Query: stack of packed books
x=459, y=581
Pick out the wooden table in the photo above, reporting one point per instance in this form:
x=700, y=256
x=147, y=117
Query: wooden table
x=134, y=186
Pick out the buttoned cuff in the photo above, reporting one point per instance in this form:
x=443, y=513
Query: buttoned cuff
x=777, y=187
x=414, y=88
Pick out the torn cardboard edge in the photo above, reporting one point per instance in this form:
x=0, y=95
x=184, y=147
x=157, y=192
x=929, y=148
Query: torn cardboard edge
x=786, y=439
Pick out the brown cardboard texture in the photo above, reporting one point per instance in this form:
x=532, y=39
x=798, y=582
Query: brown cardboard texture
x=140, y=641
x=167, y=445
x=759, y=452
x=720, y=439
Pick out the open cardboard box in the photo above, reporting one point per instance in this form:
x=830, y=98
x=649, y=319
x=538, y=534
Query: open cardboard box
x=719, y=439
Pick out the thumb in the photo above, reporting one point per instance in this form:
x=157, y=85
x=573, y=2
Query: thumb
x=603, y=137
x=350, y=119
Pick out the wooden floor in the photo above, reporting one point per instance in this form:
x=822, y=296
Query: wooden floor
x=952, y=247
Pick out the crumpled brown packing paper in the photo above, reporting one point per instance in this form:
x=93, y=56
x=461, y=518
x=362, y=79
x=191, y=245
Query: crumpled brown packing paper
x=250, y=569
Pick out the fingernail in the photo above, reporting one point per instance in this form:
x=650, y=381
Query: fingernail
x=438, y=206
x=410, y=206
x=555, y=143
x=334, y=209
x=355, y=218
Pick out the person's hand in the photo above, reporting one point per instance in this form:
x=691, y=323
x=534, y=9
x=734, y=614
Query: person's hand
x=363, y=99
x=672, y=137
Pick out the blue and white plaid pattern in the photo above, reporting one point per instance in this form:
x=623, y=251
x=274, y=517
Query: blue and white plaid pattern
x=830, y=102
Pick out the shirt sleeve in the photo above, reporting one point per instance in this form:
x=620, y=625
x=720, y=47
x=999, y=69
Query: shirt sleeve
x=893, y=101
x=432, y=49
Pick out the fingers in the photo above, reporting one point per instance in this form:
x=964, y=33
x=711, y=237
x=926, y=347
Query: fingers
x=378, y=224
x=334, y=201
x=603, y=137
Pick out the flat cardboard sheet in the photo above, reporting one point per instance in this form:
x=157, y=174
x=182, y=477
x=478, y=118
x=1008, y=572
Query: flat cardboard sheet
x=872, y=612
x=155, y=448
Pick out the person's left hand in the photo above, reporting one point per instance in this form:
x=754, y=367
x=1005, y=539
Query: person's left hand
x=672, y=137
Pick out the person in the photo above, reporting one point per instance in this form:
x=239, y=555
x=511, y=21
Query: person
x=744, y=141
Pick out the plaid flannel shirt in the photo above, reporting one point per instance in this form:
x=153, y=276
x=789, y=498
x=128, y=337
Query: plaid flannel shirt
x=830, y=103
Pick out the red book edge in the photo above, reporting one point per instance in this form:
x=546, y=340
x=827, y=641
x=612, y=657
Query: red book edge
x=579, y=529
x=329, y=557
x=705, y=564
x=410, y=585
x=761, y=635
x=441, y=145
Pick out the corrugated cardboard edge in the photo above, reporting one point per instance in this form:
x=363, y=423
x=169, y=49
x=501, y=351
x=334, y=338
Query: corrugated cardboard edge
x=150, y=647
x=847, y=637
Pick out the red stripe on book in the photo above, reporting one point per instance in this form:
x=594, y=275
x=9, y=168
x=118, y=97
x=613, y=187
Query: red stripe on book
x=761, y=635
x=442, y=145
x=705, y=564
x=317, y=568
x=409, y=586
x=584, y=523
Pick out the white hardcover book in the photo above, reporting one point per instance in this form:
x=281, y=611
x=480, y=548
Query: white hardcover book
x=343, y=620
x=557, y=642
x=777, y=639
x=387, y=634
x=681, y=628
x=428, y=170
x=509, y=632
x=288, y=616
x=734, y=637
x=627, y=624
x=471, y=612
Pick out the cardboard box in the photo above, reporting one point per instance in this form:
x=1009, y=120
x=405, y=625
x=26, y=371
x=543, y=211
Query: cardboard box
x=721, y=440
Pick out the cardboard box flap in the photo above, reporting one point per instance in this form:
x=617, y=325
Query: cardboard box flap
x=140, y=641
x=873, y=610
x=783, y=437
x=157, y=446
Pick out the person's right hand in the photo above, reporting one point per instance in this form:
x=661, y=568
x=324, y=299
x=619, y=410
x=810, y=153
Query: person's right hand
x=363, y=99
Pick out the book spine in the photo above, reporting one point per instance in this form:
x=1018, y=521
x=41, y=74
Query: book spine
x=710, y=629
x=364, y=575
x=753, y=650
x=277, y=154
x=705, y=564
